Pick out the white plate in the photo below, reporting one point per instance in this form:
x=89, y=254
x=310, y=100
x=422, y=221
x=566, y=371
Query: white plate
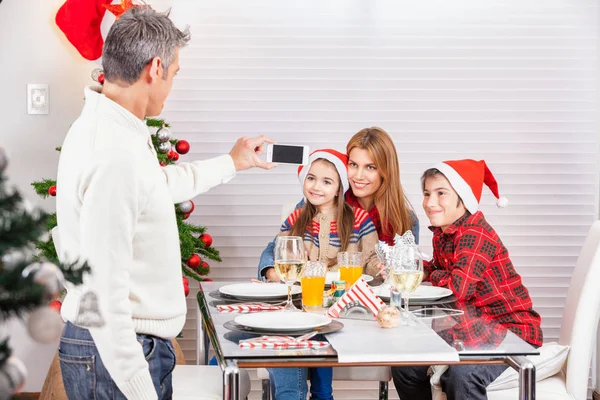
x=258, y=290
x=282, y=321
x=335, y=276
x=423, y=292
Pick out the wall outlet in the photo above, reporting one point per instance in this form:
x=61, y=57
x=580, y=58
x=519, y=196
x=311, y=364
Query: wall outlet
x=37, y=98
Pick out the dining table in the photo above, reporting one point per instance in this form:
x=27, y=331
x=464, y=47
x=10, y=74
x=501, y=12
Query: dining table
x=468, y=335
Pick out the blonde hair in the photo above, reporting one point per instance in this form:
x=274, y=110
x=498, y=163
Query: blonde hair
x=390, y=200
x=344, y=216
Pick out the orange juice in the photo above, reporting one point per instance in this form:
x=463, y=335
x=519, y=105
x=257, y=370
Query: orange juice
x=312, y=291
x=350, y=273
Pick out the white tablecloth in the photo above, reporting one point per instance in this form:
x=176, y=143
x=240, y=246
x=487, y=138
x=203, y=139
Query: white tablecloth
x=366, y=341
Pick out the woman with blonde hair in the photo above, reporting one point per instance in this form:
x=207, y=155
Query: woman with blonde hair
x=374, y=178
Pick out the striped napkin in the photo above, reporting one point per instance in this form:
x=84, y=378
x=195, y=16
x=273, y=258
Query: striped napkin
x=360, y=292
x=247, y=307
x=281, y=342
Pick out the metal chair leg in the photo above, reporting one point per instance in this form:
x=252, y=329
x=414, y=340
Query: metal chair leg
x=383, y=390
x=266, y=389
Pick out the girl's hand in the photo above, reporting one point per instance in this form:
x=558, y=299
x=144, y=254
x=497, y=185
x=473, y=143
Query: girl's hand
x=272, y=275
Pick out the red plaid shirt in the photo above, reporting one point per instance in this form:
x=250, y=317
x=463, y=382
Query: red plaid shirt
x=374, y=215
x=470, y=259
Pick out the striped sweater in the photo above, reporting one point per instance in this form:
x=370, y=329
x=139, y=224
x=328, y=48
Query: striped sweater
x=322, y=241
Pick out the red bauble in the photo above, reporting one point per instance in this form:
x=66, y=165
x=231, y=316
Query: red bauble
x=186, y=290
x=194, y=261
x=182, y=146
x=206, y=239
x=172, y=155
x=162, y=164
x=185, y=280
x=55, y=305
x=52, y=191
x=101, y=79
x=207, y=280
x=186, y=215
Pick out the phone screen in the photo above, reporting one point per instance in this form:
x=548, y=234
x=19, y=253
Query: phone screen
x=287, y=154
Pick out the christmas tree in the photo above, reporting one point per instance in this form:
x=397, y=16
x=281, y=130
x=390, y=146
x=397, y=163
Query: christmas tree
x=28, y=283
x=195, y=242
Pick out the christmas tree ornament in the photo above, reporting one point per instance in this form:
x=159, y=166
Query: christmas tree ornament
x=44, y=325
x=120, y=9
x=206, y=239
x=88, y=312
x=186, y=285
x=56, y=305
x=49, y=276
x=12, y=377
x=52, y=191
x=80, y=21
x=164, y=147
x=96, y=73
x=173, y=155
x=186, y=206
x=186, y=216
x=204, y=267
x=163, y=134
x=182, y=146
x=388, y=317
x=101, y=79
x=3, y=160
x=194, y=261
x=162, y=164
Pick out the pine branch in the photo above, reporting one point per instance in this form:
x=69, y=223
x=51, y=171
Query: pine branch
x=157, y=123
x=19, y=294
x=74, y=272
x=5, y=353
x=189, y=272
x=20, y=228
x=42, y=187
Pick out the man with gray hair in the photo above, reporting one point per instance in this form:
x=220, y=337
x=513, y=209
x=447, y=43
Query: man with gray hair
x=115, y=210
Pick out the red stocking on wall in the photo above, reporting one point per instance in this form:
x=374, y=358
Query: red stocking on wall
x=80, y=21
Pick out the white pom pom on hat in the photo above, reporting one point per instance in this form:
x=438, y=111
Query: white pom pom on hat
x=502, y=202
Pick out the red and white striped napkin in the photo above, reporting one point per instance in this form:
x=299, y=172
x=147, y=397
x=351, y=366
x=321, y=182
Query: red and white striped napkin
x=281, y=342
x=247, y=308
x=360, y=292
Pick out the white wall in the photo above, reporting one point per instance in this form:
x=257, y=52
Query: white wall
x=33, y=50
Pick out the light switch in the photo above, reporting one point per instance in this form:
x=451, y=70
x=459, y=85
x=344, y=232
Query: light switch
x=37, y=98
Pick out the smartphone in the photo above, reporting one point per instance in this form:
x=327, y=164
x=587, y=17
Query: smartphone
x=287, y=154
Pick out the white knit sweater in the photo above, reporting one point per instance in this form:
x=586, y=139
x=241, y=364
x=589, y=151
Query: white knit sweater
x=115, y=210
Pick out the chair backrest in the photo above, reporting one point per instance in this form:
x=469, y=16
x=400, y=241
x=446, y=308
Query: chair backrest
x=580, y=316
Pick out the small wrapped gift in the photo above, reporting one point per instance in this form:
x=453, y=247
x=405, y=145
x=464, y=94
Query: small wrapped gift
x=359, y=292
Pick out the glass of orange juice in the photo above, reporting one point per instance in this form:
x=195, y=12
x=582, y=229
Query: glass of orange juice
x=313, y=283
x=350, y=266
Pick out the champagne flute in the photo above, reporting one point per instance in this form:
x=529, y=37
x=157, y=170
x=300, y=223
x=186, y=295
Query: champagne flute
x=406, y=275
x=289, y=263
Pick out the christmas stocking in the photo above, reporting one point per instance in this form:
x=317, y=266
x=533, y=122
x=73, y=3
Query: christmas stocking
x=80, y=21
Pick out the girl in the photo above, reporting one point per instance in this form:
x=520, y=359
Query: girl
x=328, y=225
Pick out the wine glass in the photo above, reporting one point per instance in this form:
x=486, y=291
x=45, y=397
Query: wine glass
x=289, y=263
x=406, y=274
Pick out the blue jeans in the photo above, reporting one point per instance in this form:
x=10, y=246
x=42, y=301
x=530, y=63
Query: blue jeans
x=85, y=376
x=458, y=382
x=290, y=383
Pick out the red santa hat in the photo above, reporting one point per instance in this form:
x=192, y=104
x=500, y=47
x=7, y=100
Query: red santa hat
x=339, y=160
x=467, y=178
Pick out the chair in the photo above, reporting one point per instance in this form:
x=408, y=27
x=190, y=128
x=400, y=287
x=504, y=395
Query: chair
x=578, y=330
x=379, y=374
x=203, y=382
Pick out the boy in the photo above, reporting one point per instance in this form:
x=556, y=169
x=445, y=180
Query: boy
x=471, y=260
